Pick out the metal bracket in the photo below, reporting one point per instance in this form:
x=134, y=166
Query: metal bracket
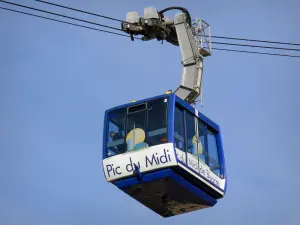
x=193, y=38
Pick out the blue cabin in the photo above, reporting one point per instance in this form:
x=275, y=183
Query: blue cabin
x=165, y=154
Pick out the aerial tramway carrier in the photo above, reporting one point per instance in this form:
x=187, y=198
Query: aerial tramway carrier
x=162, y=151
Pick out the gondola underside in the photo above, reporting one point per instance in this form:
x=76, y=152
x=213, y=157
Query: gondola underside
x=166, y=193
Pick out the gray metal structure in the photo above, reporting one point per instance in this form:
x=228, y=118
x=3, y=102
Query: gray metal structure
x=193, y=38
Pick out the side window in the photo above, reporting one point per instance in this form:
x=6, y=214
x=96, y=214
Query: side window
x=202, y=149
x=115, y=135
x=192, y=139
x=213, y=154
x=179, y=129
x=157, y=122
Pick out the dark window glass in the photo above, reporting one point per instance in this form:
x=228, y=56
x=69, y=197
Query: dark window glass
x=202, y=142
x=191, y=134
x=157, y=122
x=115, y=139
x=213, y=154
x=179, y=129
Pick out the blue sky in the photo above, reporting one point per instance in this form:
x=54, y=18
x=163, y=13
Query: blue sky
x=57, y=80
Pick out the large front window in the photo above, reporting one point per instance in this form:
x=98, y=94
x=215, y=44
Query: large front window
x=137, y=127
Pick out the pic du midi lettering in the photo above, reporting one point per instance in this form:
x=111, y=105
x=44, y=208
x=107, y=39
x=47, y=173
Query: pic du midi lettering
x=147, y=162
x=157, y=159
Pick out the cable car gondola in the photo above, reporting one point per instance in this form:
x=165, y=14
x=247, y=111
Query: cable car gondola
x=162, y=151
x=165, y=154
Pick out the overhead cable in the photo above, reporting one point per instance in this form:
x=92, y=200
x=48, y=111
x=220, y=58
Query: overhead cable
x=56, y=14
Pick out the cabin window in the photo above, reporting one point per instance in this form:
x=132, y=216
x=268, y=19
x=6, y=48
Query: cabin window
x=213, y=154
x=179, y=135
x=157, y=122
x=115, y=137
x=192, y=138
x=203, y=156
